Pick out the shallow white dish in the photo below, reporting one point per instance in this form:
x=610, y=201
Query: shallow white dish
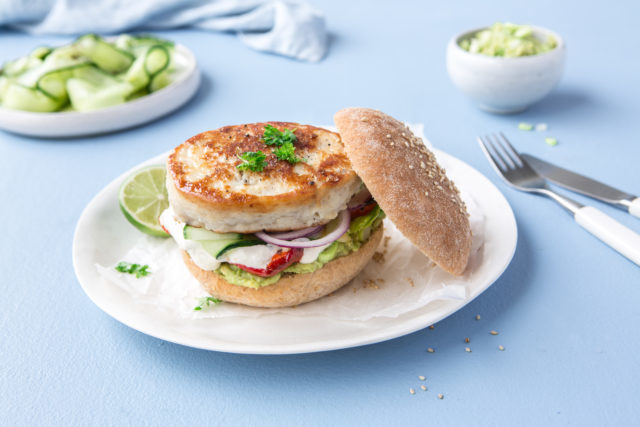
x=505, y=85
x=110, y=119
x=102, y=233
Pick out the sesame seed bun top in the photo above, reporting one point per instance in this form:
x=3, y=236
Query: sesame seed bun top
x=407, y=182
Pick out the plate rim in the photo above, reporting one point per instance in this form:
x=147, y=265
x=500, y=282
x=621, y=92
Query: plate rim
x=417, y=319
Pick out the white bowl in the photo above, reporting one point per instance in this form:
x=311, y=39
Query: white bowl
x=505, y=85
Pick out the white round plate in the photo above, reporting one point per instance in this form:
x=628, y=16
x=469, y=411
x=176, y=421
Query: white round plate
x=102, y=234
x=110, y=119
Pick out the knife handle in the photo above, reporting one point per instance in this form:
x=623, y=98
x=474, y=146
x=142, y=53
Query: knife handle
x=634, y=207
x=610, y=231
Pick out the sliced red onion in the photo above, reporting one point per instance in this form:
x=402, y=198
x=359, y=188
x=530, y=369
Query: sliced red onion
x=345, y=220
x=290, y=235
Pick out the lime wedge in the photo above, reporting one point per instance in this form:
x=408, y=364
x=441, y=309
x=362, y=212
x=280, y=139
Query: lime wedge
x=143, y=197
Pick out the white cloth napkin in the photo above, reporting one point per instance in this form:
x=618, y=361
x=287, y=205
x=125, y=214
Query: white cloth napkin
x=284, y=27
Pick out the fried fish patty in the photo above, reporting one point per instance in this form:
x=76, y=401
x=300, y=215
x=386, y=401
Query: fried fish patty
x=206, y=189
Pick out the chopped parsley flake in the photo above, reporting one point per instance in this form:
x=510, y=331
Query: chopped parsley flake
x=525, y=126
x=283, y=140
x=273, y=136
x=137, y=269
x=206, y=302
x=287, y=152
x=253, y=161
x=551, y=141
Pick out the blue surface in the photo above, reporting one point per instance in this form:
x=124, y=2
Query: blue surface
x=566, y=308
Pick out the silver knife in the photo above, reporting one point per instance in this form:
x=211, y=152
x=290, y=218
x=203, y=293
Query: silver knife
x=584, y=185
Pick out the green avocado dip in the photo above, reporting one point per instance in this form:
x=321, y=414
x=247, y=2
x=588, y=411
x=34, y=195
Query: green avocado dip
x=507, y=40
x=358, y=233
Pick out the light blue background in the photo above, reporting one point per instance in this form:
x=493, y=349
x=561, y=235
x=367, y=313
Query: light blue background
x=567, y=308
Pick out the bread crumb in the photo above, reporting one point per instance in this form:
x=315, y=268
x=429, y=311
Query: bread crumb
x=371, y=284
x=379, y=257
x=410, y=280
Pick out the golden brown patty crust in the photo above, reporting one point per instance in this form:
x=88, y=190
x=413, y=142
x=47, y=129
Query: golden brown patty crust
x=206, y=188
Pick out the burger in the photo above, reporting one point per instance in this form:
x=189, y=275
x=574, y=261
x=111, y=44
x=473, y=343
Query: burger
x=278, y=214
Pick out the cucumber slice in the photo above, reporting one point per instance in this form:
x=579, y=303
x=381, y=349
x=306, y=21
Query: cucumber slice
x=64, y=56
x=218, y=243
x=199, y=233
x=148, y=65
x=85, y=96
x=159, y=81
x=136, y=76
x=54, y=83
x=104, y=54
x=20, y=97
x=124, y=42
x=216, y=248
x=20, y=65
x=156, y=60
x=139, y=44
x=40, y=52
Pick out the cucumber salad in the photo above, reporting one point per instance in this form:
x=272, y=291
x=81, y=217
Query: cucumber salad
x=88, y=74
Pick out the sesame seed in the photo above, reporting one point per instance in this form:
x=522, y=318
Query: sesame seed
x=410, y=166
x=501, y=348
x=467, y=340
x=404, y=134
x=392, y=143
x=421, y=377
x=412, y=391
x=430, y=350
x=388, y=135
x=494, y=332
x=423, y=387
x=422, y=165
x=477, y=317
x=364, y=119
x=406, y=144
x=441, y=396
x=467, y=349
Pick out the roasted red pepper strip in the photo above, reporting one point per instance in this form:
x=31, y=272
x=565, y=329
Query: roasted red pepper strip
x=278, y=262
x=363, y=210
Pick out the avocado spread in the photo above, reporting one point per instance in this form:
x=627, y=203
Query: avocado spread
x=507, y=40
x=359, y=231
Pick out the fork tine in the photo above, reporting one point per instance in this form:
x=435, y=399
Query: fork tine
x=511, y=151
x=502, y=151
x=496, y=161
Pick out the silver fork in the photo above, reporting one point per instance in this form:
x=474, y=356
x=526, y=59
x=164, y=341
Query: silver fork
x=517, y=173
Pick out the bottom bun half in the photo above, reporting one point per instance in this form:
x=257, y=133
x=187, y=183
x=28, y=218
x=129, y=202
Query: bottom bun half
x=291, y=289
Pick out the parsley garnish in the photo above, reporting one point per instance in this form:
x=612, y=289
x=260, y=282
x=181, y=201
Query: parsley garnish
x=252, y=160
x=287, y=152
x=206, y=302
x=137, y=269
x=283, y=140
x=273, y=136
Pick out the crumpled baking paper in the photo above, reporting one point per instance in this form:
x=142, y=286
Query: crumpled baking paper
x=398, y=280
